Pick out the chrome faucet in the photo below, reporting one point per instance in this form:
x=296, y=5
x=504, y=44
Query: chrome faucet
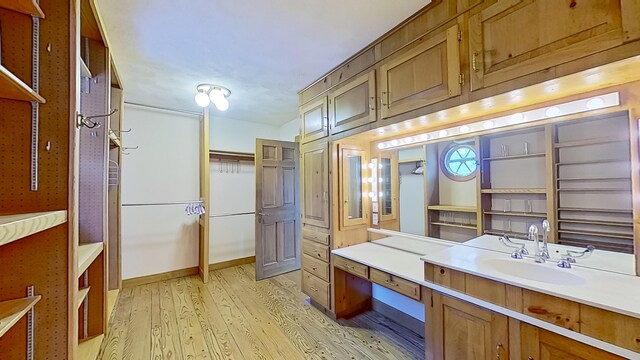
x=533, y=236
x=546, y=229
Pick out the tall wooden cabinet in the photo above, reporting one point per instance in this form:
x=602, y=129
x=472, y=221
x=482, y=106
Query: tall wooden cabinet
x=353, y=104
x=315, y=185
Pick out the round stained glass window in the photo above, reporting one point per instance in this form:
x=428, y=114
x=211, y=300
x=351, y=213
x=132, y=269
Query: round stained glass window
x=460, y=162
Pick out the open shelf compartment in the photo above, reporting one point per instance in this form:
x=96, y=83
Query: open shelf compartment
x=16, y=227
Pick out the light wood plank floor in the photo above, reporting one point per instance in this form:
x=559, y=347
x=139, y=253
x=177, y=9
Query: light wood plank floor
x=235, y=317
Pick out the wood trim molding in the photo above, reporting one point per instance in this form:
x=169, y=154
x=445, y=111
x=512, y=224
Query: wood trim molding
x=232, y=263
x=149, y=279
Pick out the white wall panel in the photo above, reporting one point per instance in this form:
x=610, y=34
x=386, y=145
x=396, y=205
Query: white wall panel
x=411, y=307
x=232, y=237
x=157, y=239
x=234, y=191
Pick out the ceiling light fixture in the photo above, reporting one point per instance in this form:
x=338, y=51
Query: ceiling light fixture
x=216, y=94
x=568, y=108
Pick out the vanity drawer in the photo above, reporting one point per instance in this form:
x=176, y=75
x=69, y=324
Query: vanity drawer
x=318, y=237
x=316, y=267
x=317, y=289
x=315, y=250
x=395, y=283
x=349, y=266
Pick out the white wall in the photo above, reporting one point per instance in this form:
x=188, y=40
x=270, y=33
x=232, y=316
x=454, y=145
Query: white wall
x=165, y=168
x=289, y=130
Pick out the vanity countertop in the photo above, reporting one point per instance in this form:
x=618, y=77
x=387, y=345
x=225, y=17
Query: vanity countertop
x=611, y=291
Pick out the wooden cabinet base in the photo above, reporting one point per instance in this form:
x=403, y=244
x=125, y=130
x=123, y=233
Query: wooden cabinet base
x=352, y=295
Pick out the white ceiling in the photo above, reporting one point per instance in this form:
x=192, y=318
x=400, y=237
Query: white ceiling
x=264, y=51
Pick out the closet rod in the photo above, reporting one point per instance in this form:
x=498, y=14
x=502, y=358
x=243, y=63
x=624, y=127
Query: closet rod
x=165, y=109
x=236, y=214
x=165, y=203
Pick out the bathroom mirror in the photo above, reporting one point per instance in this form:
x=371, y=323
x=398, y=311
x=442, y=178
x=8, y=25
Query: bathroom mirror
x=352, y=192
x=388, y=180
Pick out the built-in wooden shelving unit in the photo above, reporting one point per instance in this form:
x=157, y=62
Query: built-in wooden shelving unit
x=516, y=214
x=514, y=191
x=29, y=7
x=82, y=294
x=455, y=225
x=87, y=253
x=513, y=157
x=455, y=208
x=590, y=142
x=12, y=88
x=11, y=311
x=16, y=227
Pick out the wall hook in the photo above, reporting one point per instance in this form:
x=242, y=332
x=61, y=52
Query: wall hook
x=121, y=131
x=88, y=122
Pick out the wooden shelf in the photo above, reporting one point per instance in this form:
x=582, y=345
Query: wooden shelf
x=592, y=190
x=595, y=222
x=231, y=155
x=514, y=191
x=591, y=162
x=510, y=233
x=454, y=208
x=455, y=225
x=596, y=179
x=114, y=139
x=13, y=310
x=16, y=227
x=517, y=214
x=84, y=69
x=594, y=210
x=87, y=254
x=588, y=142
x=15, y=89
x=406, y=161
x=596, y=233
x=82, y=294
x=514, y=157
x=29, y=7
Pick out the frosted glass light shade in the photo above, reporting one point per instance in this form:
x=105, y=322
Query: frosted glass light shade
x=222, y=104
x=202, y=99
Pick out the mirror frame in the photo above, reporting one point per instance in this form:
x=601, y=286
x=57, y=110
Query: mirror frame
x=345, y=221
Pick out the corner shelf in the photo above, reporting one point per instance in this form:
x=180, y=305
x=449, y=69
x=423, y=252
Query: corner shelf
x=514, y=191
x=82, y=294
x=84, y=69
x=455, y=225
x=11, y=311
x=517, y=214
x=87, y=254
x=11, y=87
x=513, y=157
x=16, y=227
x=114, y=139
x=454, y=208
x=29, y=7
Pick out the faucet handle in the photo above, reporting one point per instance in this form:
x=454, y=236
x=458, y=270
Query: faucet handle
x=581, y=254
x=565, y=263
x=521, y=249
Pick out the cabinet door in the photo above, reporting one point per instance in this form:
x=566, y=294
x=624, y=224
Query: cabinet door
x=460, y=330
x=424, y=75
x=315, y=185
x=540, y=344
x=353, y=104
x=315, y=123
x=512, y=38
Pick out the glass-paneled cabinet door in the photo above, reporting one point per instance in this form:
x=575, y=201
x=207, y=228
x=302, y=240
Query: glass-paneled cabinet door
x=353, y=192
x=388, y=186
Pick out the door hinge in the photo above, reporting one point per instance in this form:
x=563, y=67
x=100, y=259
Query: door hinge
x=459, y=35
x=461, y=79
x=431, y=300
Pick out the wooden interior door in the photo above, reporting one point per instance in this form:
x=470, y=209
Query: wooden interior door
x=277, y=208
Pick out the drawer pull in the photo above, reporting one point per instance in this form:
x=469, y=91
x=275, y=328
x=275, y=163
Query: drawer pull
x=314, y=289
x=390, y=282
x=350, y=267
x=314, y=268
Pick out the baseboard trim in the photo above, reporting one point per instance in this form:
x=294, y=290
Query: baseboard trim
x=149, y=279
x=398, y=316
x=232, y=263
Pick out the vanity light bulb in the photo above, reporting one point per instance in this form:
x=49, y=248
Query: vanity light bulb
x=380, y=167
x=394, y=142
x=517, y=117
x=424, y=137
x=370, y=180
x=408, y=140
x=371, y=165
x=595, y=103
x=381, y=146
x=464, y=129
x=371, y=194
x=488, y=124
x=202, y=99
x=443, y=133
x=380, y=194
x=552, y=111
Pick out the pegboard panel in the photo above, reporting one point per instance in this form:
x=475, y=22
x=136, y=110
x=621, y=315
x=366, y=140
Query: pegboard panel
x=93, y=149
x=40, y=260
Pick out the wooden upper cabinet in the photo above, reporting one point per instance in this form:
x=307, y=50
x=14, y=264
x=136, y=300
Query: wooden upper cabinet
x=427, y=73
x=513, y=38
x=314, y=119
x=315, y=185
x=353, y=104
x=460, y=330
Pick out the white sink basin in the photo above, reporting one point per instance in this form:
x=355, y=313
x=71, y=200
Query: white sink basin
x=536, y=272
